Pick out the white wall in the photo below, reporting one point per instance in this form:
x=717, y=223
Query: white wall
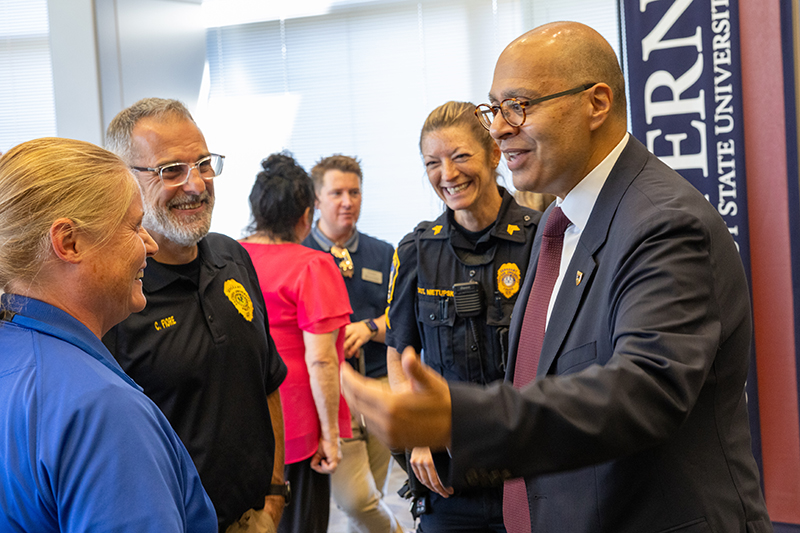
x=76, y=85
x=108, y=54
x=148, y=48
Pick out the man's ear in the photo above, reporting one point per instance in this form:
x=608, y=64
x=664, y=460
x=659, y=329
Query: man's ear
x=601, y=99
x=496, y=154
x=64, y=237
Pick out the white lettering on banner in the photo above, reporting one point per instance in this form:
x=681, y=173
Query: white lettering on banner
x=726, y=170
x=721, y=44
x=727, y=204
x=680, y=84
x=679, y=160
x=677, y=105
x=655, y=39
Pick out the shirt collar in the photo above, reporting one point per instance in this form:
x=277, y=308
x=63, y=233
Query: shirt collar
x=510, y=220
x=156, y=276
x=507, y=226
x=50, y=320
x=325, y=243
x=579, y=202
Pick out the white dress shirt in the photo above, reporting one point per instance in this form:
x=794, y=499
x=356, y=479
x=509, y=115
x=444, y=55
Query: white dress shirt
x=577, y=206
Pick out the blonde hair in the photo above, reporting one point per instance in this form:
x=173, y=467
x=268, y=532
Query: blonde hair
x=51, y=178
x=460, y=115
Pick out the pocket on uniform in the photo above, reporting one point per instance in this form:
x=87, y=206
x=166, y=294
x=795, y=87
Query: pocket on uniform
x=436, y=315
x=499, y=312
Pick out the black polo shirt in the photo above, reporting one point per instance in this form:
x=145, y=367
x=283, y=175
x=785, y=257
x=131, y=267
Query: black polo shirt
x=201, y=350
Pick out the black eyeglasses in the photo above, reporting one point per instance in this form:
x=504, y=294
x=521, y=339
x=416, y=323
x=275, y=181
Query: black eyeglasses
x=513, y=109
x=176, y=174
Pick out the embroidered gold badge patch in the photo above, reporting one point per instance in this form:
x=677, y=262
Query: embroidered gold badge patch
x=436, y=229
x=239, y=298
x=512, y=228
x=508, y=277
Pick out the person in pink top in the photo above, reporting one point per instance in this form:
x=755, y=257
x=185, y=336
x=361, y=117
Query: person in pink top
x=308, y=308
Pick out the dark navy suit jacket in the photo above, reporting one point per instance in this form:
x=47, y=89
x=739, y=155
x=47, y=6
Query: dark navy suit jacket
x=637, y=420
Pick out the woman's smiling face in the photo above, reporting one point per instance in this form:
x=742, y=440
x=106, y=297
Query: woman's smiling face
x=458, y=167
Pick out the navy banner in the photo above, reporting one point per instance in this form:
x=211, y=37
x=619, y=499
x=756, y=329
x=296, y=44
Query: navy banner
x=684, y=78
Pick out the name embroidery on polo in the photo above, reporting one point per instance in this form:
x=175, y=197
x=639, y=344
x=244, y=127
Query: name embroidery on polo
x=238, y=296
x=508, y=276
x=164, y=323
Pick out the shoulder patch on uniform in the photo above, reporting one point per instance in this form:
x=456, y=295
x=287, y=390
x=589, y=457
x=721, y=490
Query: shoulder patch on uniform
x=392, y=279
x=508, y=278
x=238, y=296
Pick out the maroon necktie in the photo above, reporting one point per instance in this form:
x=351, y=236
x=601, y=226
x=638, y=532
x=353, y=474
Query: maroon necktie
x=516, y=513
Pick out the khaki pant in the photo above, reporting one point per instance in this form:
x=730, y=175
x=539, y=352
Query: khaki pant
x=253, y=521
x=357, y=485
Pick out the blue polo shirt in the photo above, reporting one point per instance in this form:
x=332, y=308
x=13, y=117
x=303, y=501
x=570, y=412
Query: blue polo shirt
x=81, y=447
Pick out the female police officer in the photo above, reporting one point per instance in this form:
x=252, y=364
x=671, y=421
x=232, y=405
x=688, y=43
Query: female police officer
x=453, y=285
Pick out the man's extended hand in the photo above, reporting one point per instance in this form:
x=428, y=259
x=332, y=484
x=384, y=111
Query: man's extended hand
x=419, y=416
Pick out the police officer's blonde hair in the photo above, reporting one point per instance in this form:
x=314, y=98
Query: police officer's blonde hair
x=51, y=178
x=457, y=114
x=119, y=135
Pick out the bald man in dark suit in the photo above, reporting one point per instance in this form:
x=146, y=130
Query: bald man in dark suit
x=636, y=420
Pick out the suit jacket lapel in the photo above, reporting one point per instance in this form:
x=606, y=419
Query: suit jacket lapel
x=567, y=305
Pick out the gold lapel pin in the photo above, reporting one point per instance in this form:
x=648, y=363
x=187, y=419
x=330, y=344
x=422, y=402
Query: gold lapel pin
x=346, y=264
x=578, y=278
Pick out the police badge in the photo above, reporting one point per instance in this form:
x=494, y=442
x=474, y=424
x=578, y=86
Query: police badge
x=508, y=277
x=238, y=296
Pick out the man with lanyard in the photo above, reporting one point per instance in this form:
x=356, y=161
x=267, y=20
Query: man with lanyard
x=201, y=349
x=365, y=261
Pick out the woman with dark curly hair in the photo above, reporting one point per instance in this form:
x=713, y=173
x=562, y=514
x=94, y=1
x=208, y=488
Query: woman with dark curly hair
x=308, y=308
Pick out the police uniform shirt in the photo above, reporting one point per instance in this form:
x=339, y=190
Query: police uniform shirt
x=201, y=350
x=422, y=311
x=372, y=260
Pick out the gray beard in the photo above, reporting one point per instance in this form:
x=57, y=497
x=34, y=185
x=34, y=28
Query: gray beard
x=187, y=232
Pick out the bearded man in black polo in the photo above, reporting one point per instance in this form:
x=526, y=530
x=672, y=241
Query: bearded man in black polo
x=201, y=349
